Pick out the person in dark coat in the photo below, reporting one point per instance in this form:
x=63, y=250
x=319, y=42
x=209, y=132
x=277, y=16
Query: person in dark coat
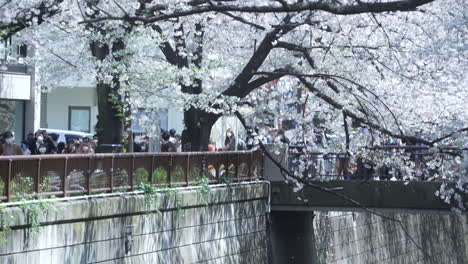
x=230, y=141
x=43, y=144
x=10, y=148
x=167, y=145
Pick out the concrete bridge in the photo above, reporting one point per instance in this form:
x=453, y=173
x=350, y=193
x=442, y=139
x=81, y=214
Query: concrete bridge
x=246, y=219
x=292, y=213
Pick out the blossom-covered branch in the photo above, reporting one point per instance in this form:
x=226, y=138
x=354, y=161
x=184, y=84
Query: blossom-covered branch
x=161, y=12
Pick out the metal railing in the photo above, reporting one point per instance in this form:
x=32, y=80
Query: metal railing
x=79, y=174
x=320, y=165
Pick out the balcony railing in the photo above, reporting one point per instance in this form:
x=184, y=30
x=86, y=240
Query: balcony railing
x=444, y=164
x=76, y=174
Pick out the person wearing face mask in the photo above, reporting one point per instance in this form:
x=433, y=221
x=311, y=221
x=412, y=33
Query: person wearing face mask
x=95, y=142
x=70, y=148
x=10, y=147
x=230, y=141
x=85, y=147
x=40, y=144
x=43, y=144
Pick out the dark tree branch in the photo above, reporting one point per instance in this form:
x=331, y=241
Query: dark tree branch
x=345, y=124
x=435, y=141
x=25, y=17
x=298, y=48
x=373, y=125
x=242, y=20
x=240, y=86
x=171, y=56
x=338, y=106
x=200, y=8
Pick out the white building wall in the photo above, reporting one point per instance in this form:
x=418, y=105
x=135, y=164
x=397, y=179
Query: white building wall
x=59, y=99
x=175, y=120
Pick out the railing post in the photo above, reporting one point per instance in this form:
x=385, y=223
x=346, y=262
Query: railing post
x=150, y=174
x=204, y=167
x=250, y=165
x=237, y=167
x=227, y=167
x=111, y=179
x=217, y=168
x=187, y=170
x=132, y=173
x=169, y=172
x=8, y=181
x=262, y=165
x=64, y=178
x=37, y=179
x=88, y=177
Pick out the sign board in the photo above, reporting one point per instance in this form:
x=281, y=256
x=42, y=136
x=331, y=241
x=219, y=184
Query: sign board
x=15, y=86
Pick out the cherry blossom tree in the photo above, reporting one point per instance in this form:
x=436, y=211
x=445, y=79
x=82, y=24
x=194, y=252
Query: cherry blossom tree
x=367, y=68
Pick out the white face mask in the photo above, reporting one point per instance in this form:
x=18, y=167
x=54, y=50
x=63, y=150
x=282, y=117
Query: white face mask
x=85, y=148
x=40, y=139
x=9, y=140
x=229, y=134
x=42, y=150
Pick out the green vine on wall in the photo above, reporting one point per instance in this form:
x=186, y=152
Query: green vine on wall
x=34, y=210
x=205, y=189
x=5, y=217
x=150, y=193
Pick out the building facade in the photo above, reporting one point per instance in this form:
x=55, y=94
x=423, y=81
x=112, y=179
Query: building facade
x=19, y=97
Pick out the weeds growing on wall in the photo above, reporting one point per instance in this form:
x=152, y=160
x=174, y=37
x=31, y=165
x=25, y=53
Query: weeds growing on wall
x=5, y=217
x=150, y=193
x=34, y=210
x=205, y=189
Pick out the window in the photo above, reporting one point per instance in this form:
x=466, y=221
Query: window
x=79, y=118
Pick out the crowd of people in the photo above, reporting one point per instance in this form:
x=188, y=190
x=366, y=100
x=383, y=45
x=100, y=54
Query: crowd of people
x=42, y=143
x=171, y=141
x=250, y=140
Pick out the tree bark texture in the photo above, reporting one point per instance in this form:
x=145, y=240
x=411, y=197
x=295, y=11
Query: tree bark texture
x=110, y=125
x=198, y=124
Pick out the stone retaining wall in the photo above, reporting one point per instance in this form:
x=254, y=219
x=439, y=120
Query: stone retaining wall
x=223, y=225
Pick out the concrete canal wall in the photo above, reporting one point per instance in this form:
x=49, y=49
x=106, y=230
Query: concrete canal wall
x=219, y=225
x=427, y=237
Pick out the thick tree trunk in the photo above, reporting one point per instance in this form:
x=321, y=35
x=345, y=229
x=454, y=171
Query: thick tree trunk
x=109, y=127
x=198, y=124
